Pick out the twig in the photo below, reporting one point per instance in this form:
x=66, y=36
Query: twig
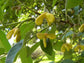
x=66, y=9
x=33, y=11
x=10, y=24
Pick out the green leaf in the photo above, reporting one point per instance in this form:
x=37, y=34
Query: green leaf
x=76, y=9
x=68, y=54
x=4, y=42
x=35, y=46
x=51, y=57
x=48, y=49
x=2, y=60
x=26, y=28
x=57, y=46
x=13, y=51
x=1, y=13
x=82, y=54
x=25, y=55
x=67, y=61
x=54, y=2
x=2, y=50
x=69, y=33
x=53, y=29
x=73, y=3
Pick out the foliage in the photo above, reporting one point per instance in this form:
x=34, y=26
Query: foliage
x=59, y=22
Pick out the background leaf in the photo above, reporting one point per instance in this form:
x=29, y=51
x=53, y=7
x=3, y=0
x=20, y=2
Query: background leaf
x=54, y=2
x=69, y=33
x=57, y=46
x=25, y=28
x=35, y=46
x=4, y=42
x=49, y=48
x=13, y=51
x=51, y=57
x=2, y=50
x=67, y=61
x=73, y=3
x=53, y=29
x=25, y=55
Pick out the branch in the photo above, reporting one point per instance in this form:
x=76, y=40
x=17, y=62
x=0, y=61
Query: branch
x=67, y=22
x=33, y=11
x=10, y=24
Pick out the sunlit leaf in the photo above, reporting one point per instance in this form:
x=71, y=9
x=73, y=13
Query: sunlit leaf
x=2, y=60
x=51, y=57
x=25, y=28
x=54, y=2
x=57, y=46
x=2, y=50
x=35, y=46
x=25, y=55
x=67, y=61
x=4, y=42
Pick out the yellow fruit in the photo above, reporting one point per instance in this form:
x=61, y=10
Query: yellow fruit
x=81, y=28
x=10, y=33
x=44, y=36
x=39, y=19
x=40, y=35
x=77, y=48
x=44, y=42
x=18, y=37
x=63, y=48
x=51, y=36
x=66, y=47
x=69, y=46
x=50, y=18
x=17, y=30
x=82, y=47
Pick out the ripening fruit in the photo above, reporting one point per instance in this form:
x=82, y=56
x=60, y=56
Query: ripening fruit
x=66, y=47
x=17, y=30
x=81, y=28
x=44, y=42
x=39, y=19
x=62, y=49
x=44, y=36
x=18, y=37
x=82, y=47
x=50, y=18
x=40, y=35
x=51, y=36
x=10, y=33
x=77, y=48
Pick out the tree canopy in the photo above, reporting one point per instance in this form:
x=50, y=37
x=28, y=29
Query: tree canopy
x=52, y=28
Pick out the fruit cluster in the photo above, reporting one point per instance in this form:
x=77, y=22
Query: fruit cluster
x=44, y=36
x=79, y=47
x=39, y=20
x=81, y=28
x=16, y=32
x=48, y=16
x=66, y=47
